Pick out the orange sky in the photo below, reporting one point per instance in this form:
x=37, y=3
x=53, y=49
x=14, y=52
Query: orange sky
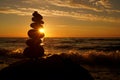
x=91, y=18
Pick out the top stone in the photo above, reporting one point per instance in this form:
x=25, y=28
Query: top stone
x=37, y=15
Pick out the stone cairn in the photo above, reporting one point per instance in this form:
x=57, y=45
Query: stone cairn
x=34, y=43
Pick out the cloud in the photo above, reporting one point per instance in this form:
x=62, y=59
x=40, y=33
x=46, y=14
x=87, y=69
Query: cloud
x=94, y=5
x=103, y=3
x=79, y=16
x=46, y=12
x=113, y=11
x=13, y=11
x=29, y=1
x=70, y=8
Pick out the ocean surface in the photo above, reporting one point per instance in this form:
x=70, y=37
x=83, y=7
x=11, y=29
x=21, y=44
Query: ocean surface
x=96, y=51
x=64, y=45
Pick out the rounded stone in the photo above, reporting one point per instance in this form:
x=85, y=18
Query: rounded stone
x=36, y=25
x=35, y=34
x=36, y=14
x=33, y=42
x=34, y=51
x=38, y=20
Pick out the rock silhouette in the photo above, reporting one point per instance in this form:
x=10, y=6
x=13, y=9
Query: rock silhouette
x=55, y=67
x=36, y=25
x=34, y=49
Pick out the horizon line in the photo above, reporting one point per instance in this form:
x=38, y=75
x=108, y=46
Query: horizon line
x=61, y=37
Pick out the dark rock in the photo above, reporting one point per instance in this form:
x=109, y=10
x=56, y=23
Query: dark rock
x=35, y=34
x=52, y=68
x=38, y=20
x=33, y=42
x=36, y=25
x=36, y=14
x=34, y=51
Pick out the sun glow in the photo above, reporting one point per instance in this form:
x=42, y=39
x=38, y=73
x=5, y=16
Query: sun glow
x=41, y=30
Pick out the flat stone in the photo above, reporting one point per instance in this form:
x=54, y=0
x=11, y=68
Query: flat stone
x=34, y=51
x=35, y=34
x=33, y=42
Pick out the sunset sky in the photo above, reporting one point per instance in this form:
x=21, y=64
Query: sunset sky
x=63, y=18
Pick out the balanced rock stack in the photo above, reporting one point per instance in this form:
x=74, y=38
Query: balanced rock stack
x=35, y=49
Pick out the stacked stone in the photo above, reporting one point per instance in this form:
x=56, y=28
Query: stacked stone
x=35, y=49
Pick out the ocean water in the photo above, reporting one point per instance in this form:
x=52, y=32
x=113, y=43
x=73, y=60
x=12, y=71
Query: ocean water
x=64, y=45
x=96, y=51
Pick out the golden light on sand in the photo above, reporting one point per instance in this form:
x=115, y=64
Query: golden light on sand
x=41, y=30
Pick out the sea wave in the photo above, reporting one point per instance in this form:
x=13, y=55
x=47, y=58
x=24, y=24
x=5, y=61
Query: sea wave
x=81, y=49
x=90, y=57
x=6, y=52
